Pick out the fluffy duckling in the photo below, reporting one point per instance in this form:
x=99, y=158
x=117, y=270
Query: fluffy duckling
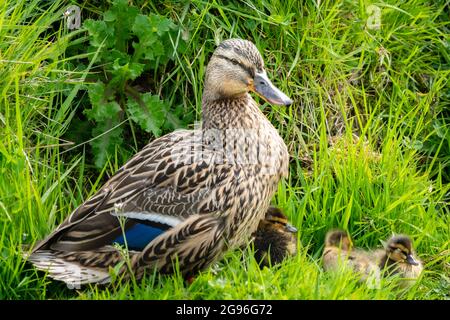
x=337, y=243
x=189, y=194
x=339, y=252
x=275, y=239
x=399, y=258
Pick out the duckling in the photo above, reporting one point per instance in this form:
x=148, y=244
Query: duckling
x=188, y=196
x=337, y=242
x=339, y=252
x=399, y=258
x=275, y=238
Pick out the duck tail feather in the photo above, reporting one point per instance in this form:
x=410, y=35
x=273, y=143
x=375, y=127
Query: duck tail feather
x=69, y=272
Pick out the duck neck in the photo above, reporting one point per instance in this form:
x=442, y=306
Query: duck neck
x=239, y=112
x=238, y=128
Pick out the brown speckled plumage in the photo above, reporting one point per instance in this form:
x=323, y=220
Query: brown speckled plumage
x=209, y=187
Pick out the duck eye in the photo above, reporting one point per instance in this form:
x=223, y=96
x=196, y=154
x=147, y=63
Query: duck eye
x=234, y=61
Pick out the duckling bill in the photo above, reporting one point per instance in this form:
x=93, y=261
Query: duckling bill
x=275, y=238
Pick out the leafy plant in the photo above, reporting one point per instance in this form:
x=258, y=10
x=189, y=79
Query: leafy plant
x=126, y=45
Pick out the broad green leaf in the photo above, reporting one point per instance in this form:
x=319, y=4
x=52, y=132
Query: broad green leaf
x=102, y=108
x=96, y=92
x=144, y=30
x=158, y=48
x=160, y=24
x=115, y=55
x=99, y=31
x=130, y=70
x=121, y=16
x=148, y=112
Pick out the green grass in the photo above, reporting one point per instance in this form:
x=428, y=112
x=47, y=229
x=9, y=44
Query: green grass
x=388, y=86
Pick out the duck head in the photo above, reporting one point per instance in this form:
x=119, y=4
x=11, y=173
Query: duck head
x=339, y=239
x=399, y=249
x=275, y=220
x=236, y=68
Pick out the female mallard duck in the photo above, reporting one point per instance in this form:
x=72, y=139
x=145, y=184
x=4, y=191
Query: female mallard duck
x=339, y=252
x=275, y=239
x=189, y=195
x=398, y=258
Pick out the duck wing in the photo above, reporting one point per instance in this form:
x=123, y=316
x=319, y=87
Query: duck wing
x=192, y=245
x=166, y=182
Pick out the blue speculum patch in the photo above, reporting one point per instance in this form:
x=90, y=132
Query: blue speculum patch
x=139, y=236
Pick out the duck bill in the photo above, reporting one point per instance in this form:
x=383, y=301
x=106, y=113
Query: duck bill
x=266, y=90
x=411, y=260
x=291, y=228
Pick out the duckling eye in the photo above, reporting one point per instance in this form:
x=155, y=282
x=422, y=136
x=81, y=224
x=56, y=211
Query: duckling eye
x=235, y=62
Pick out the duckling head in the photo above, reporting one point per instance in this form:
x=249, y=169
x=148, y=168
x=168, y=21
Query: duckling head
x=399, y=249
x=235, y=68
x=339, y=239
x=275, y=220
